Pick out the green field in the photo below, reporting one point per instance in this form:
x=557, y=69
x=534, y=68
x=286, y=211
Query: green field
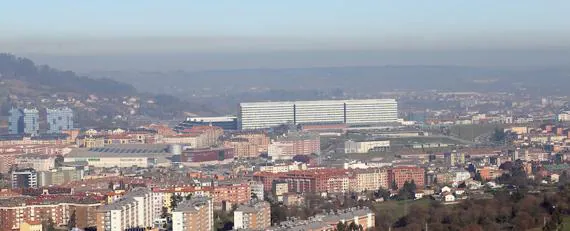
x=401, y=208
x=469, y=132
x=422, y=140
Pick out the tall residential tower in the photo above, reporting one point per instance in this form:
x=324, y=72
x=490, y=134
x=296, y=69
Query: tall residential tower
x=59, y=120
x=24, y=121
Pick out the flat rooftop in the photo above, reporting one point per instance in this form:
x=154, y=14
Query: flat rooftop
x=158, y=151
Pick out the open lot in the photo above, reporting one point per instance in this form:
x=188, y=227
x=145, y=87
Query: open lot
x=401, y=208
x=471, y=131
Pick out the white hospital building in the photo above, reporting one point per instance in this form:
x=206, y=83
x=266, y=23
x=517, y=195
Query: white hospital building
x=260, y=115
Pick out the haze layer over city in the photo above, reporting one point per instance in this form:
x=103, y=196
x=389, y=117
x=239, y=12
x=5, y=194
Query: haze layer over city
x=284, y=115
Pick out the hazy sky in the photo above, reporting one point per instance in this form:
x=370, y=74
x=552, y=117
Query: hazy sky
x=107, y=29
x=130, y=25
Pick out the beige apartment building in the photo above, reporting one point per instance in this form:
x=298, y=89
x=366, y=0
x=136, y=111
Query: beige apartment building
x=368, y=179
x=253, y=216
x=196, y=214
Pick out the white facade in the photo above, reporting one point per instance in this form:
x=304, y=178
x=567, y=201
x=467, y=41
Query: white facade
x=240, y=220
x=564, y=117
x=135, y=209
x=110, y=162
x=257, y=189
x=37, y=162
x=279, y=151
x=461, y=176
x=365, y=146
x=268, y=114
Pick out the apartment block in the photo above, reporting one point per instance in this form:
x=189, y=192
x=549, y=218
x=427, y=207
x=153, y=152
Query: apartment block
x=196, y=214
x=368, y=179
x=403, y=174
x=134, y=209
x=255, y=215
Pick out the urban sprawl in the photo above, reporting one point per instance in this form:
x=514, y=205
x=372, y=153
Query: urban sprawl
x=290, y=165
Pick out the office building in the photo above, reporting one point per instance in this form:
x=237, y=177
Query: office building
x=24, y=178
x=262, y=115
x=24, y=121
x=16, y=121
x=134, y=209
x=196, y=214
x=255, y=215
x=31, y=122
x=59, y=120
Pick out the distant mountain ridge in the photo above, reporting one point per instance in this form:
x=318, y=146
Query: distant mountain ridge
x=96, y=101
x=45, y=77
x=359, y=78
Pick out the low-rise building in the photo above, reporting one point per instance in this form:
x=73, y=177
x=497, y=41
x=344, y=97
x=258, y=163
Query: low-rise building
x=31, y=226
x=364, y=218
x=351, y=146
x=37, y=162
x=59, y=176
x=122, y=156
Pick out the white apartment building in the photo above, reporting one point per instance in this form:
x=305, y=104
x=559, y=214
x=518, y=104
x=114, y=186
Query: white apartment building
x=260, y=115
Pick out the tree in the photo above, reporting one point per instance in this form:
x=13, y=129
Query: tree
x=352, y=226
x=59, y=161
x=340, y=226
x=394, y=185
x=164, y=212
x=408, y=191
x=499, y=135
x=48, y=225
x=478, y=177
x=188, y=197
x=72, y=223
x=174, y=200
x=382, y=193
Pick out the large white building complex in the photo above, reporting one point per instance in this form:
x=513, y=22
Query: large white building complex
x=261, y=115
